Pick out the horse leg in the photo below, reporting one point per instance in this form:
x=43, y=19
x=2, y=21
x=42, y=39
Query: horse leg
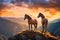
x=31, y=26
x=46, y=26
x=36, y=26
x=43, y=29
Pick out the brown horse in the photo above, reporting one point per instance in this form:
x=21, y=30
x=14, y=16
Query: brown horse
x=31, y=22
x=44, y=22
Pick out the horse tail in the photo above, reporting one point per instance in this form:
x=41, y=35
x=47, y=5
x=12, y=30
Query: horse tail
x=47, y=21
x=36, y=20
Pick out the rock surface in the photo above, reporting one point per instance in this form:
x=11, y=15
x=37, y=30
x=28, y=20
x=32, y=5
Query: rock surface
x=32, y=35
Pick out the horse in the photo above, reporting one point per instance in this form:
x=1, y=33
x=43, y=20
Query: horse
x=44, y=22
x=31, y=22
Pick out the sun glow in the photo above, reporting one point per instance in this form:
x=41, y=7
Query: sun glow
x=19, y=11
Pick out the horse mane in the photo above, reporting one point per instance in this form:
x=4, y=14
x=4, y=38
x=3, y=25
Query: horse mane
x=42, y=15
x=28, y=16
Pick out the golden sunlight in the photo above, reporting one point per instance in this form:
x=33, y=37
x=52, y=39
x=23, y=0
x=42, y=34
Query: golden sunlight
x=19, y=11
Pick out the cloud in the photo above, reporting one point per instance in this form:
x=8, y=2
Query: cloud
x=41, y=3
x=2, y=6
x=36, y=3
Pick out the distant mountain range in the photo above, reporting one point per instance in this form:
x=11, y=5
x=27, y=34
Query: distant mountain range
x=54, y=27
x=10, y=27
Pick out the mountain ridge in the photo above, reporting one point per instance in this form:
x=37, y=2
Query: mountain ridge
x=8, y=27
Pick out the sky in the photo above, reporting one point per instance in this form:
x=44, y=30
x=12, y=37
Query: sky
x=18, y=8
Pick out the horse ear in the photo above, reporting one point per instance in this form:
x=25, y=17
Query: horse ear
x=40, y=13
x=25, y=14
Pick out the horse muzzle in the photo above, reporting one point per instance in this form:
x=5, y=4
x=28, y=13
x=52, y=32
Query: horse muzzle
x=24, y=18
x=37, y=16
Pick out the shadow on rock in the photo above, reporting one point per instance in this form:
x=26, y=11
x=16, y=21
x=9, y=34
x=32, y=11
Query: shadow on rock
x=30, y=35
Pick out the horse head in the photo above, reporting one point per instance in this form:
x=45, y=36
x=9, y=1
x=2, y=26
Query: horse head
x=25, y=17
x=39, y=15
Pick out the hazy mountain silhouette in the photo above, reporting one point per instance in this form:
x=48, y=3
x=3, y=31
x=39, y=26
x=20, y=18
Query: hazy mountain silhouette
x=54, y=26
x=9, y=28
x=17, y=20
